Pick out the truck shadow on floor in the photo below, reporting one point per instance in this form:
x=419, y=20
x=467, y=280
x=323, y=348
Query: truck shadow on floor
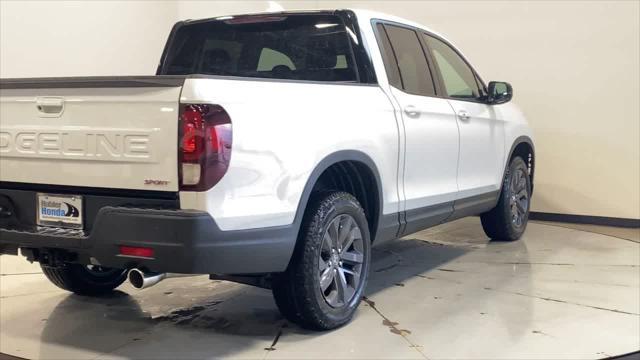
x=213, y=318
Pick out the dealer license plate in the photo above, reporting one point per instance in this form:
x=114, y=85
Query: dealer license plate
x=60, y=210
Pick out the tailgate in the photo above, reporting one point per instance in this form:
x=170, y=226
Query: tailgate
x=97, y=132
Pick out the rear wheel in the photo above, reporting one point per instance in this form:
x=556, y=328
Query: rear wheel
x=84, y=279
x=325, y=280
x=508, y=220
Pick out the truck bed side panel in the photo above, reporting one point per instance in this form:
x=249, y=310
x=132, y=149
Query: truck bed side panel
x=281, y=131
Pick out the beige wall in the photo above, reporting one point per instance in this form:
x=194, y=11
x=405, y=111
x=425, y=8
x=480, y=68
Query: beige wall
x=82, y=38
x=574, y=66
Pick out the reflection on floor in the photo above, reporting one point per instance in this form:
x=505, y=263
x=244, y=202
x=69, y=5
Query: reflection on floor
x=446, y=292
x=632, y=234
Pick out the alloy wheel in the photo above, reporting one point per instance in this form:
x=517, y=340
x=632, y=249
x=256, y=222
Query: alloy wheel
x=341, y=261
x=518, y=197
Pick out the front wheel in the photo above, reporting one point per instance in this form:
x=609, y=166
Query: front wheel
x=84, y=279
x=508, y=220
x=325, y=280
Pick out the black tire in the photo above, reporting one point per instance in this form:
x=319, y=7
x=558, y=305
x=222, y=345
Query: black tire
x=500, y=223
x=297, y=291
x=81, y=280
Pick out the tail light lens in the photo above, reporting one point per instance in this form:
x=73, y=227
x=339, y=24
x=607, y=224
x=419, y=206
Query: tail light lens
x=205, y=146
x=135, y=251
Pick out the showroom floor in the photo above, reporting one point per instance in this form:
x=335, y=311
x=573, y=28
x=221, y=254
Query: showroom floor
x=442, y=293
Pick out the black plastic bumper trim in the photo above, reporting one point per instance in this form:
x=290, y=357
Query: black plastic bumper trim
x=184, y=241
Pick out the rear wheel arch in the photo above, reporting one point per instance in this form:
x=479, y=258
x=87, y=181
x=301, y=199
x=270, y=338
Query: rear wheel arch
x=351, y=171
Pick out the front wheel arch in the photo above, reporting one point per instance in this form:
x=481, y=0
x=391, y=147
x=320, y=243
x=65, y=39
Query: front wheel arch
x=523, y=147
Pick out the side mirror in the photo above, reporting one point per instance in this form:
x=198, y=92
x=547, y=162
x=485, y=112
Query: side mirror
x=500, y=92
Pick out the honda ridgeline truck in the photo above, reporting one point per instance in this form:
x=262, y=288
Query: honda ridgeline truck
x=270, y=149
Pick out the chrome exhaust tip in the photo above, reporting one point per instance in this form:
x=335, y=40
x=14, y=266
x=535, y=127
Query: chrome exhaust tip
x=140, y=279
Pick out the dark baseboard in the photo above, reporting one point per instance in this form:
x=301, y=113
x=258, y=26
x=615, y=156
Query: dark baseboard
x=630, y=356
x=4, y=356
x=585, y=219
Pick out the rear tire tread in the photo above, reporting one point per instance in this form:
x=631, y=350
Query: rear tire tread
x=76, y=278
x=294, y=290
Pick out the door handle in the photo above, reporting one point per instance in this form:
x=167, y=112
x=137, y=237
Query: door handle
x=411, y=111
x=463, y=115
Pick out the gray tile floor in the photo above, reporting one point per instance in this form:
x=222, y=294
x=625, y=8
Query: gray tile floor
x=442, y=293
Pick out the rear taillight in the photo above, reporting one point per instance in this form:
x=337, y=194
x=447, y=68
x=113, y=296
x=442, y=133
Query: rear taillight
x=136, y=251
x=205, y=146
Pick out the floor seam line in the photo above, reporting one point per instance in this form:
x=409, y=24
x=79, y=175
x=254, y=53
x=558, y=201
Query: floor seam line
x=31, y=273
x=563, y=302
x=541, y=263
x=36, y=293
x=416, y=347
x=277, y=337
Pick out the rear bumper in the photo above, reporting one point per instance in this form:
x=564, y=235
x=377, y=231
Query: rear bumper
x=183, y=241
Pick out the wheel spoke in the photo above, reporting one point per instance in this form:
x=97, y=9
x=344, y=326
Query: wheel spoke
x=346, y=224
x=349, y=290
x=327, y=243
x=514, y=213
x=522, y=194
x=322, y=264
x=522, y=184
x=326, y=279
x=354, y=274
x=352, y=257
x=341, y=286
x=518, y=182
x=333, y=234
x=354, y=234
x=333, y=298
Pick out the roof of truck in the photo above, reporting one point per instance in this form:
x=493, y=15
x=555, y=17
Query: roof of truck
x=370, y=15
x=362, y=14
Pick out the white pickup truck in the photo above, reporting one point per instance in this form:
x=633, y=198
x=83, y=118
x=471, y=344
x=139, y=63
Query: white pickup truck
x=270, y=149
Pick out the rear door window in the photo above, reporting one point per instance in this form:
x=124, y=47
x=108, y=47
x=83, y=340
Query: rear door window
x=299, y=47
x=388, y=57
x=412, y=62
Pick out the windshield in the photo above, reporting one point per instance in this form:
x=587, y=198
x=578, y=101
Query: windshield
x=299, y=47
